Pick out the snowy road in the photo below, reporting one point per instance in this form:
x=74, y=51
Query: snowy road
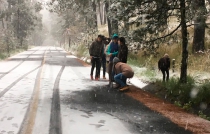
x=46, y=91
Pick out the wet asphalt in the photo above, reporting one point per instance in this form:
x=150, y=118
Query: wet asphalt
x=68, y=102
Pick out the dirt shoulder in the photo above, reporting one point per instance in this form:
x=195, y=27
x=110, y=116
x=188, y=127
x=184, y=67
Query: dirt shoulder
x=177, y=115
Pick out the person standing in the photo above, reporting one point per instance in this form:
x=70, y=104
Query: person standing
x=123, y=51
x=164, y=66
x=122, y=71
x=112, y=51
x=103, y=60
x=96, y=51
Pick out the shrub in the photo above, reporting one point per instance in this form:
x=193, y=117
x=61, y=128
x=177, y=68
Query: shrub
x=179, y=92
x=203, y=94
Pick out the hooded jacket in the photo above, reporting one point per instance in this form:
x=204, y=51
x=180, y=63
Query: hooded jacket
x=96, y=49
x=123, y=68
x=123, y=53
x=113, y=49
x=164, y=63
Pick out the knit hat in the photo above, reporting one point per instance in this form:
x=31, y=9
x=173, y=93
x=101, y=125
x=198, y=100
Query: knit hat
x=115, y=36
x=115, y=60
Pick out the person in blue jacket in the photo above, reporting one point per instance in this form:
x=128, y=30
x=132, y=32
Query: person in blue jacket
x=112, y=51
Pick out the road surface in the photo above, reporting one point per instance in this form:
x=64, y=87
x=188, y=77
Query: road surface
x=47, y=91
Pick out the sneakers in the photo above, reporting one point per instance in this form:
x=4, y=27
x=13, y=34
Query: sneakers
x=91, y=77
x=96, y=78
x=116, y=86
x=124, y=88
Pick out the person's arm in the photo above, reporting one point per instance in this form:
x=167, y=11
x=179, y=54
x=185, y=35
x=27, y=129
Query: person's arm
x=119, y=53
x=126, y=54
x=105, y=50
x=108, y=50
x=91, y=50
x=159, y=64
x=115, y=53
x=169, y=63
x=102, y=51
x=126, y=51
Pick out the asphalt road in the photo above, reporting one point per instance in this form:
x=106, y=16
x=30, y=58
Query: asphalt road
x=46, y=91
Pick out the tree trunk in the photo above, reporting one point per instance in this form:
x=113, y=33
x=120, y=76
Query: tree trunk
x=95, y=15
x=2, y=21
x=21, y=42
x=199, y=27
x=126, y=25
x=108, y=20
x=183, y=75
x=100, y=13
x=18, y=23
x=114, y=23
x=69, y=41
x=104, y=15
x=114, y=26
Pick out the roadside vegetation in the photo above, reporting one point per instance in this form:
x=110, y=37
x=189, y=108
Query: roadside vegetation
x=21, y=26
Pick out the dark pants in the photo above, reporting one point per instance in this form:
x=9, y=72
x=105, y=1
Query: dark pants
x=95, y=63
x=103, y=65
x=165, y=72
x=111, y=77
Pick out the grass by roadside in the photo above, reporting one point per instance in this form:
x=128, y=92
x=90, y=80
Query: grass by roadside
x=4, y=54
x=190, y=97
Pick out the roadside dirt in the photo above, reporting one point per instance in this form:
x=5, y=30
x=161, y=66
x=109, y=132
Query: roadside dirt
x=177, y=115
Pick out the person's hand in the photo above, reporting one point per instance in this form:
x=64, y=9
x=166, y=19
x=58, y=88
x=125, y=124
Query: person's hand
x=91, y=57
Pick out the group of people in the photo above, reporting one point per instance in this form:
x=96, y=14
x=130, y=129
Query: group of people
x=113, y=53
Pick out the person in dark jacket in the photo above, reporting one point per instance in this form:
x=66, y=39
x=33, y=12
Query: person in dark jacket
x=122, y=71
x=123, y=51
x=112, y=51
x=96, y=52
x=164, y=66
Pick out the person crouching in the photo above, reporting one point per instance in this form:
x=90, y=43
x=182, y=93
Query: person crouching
x=122, y=71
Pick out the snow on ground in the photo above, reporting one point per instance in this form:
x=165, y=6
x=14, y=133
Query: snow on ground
x=144, y=76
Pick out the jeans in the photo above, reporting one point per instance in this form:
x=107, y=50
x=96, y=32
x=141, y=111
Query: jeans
x=120, y=79
x=95, y=63
x=165, y=72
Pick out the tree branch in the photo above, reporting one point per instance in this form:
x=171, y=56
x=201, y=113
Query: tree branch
x=165, y=35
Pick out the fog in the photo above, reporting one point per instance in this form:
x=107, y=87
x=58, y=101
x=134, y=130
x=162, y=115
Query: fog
x=47, y=23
